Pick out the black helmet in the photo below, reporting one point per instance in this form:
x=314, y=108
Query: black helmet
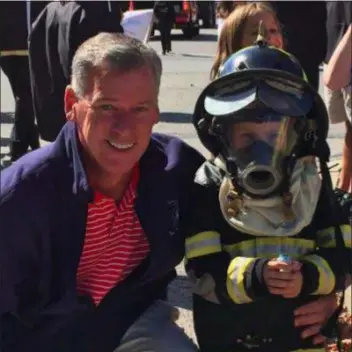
x=262, y=84
x=267, y=76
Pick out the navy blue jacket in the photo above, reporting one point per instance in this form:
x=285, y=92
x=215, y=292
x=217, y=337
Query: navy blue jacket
x=43, y=207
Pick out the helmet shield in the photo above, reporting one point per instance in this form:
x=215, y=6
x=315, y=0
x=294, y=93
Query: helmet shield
x=280, y=95
x=260, y=148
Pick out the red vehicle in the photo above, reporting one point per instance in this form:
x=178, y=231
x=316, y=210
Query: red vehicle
x=186, y=15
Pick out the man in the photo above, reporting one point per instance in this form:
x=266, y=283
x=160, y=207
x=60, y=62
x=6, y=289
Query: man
x=303, y=33
x=86, y=267
x=14, y=63
x=56, y=35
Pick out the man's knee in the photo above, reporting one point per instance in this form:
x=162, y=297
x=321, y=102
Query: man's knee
x=156, y=331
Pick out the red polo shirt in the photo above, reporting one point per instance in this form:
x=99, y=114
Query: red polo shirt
x=114, y=245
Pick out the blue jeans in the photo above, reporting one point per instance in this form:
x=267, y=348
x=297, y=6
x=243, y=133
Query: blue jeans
x=155, y=331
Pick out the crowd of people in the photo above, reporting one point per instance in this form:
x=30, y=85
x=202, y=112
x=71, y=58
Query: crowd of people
x=109, y=208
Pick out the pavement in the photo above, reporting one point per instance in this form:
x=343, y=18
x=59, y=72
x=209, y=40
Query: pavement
x=185, y=74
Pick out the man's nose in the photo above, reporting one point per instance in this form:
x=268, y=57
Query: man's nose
x=125, y=124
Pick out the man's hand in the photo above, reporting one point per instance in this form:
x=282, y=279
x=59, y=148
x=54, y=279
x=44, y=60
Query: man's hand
x=283, y=279
x=313, y=316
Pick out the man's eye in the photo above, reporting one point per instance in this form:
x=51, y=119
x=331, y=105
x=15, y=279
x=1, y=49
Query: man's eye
x=106, y=107
x=141, y=108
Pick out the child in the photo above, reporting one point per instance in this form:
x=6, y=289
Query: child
x=240, y=29
x=262, y=198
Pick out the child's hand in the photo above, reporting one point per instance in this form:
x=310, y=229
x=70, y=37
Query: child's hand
x=283, y=279
x=294, y=287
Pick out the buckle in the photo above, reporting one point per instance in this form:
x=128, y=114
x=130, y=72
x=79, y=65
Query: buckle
x=253, y=341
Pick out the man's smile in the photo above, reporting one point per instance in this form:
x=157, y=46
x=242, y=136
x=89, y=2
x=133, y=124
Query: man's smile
x=121, y=146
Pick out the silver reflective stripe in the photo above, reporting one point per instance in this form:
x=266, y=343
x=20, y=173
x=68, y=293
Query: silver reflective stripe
x=269, y=248
x=202, y=244
x=326, y=237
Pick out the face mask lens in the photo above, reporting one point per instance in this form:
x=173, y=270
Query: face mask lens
x=260, y=147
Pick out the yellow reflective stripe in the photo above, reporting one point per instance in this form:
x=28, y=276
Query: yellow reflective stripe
x=271, y=247
x=326, y=276
x=14, y=53
x=203, y=243
x=326, y=237
x=235, y=279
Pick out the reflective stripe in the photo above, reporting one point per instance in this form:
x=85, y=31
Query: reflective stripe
x=202, y=244
x=235, y=279
x=326, y=276
x=271, y=247
x=14, y=53
x=326, y=237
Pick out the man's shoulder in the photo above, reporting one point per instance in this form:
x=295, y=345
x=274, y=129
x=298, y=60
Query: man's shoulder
x=30, y=170
x=175, y=150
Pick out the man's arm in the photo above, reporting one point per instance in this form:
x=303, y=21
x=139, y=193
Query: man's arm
x=337, y=74
x=18, y=269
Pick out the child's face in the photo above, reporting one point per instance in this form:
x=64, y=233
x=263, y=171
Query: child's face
x=244, y=134
x=272, y=31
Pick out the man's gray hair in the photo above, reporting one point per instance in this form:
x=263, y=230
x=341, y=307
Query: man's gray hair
x=119, y=52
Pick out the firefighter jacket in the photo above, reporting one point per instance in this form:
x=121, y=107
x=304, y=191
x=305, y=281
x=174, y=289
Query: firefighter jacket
x=233, y=310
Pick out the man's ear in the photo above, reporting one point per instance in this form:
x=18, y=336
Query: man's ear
x=70, y=100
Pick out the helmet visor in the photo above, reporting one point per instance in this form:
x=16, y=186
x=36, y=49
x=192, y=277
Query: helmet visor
x=280, y=95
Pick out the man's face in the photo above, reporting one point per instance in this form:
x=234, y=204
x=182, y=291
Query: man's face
x=115, y=118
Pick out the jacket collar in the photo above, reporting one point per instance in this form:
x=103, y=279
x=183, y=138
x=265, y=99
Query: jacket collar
x=68, y=145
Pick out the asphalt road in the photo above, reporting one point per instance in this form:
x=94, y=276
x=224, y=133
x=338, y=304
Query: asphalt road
x=185, y=74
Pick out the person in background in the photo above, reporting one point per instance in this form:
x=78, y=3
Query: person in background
x=222, y=11
x=165, y=14
x=86, y=267
x=57, y=33
x=15, y=22
x=337, y=79
x=304, y=31
x=338, y=73
x=240, y=29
